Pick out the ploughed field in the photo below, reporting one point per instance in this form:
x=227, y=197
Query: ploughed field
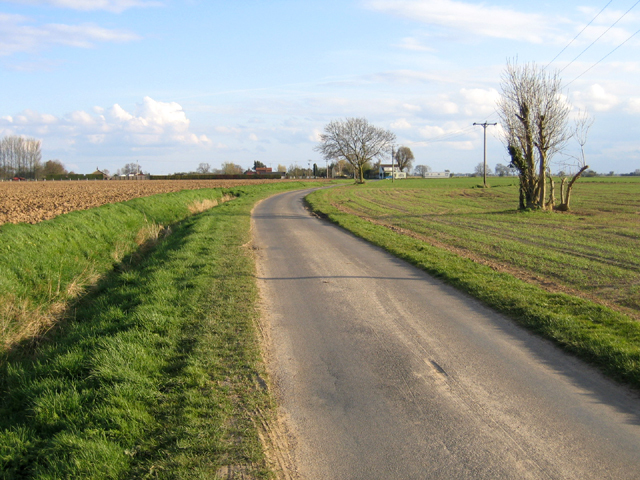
x=33, y=202
x=591, y=251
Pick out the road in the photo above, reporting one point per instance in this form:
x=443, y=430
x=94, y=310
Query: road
x=383, y=372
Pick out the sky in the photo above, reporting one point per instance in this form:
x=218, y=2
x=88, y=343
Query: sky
x=170, y=84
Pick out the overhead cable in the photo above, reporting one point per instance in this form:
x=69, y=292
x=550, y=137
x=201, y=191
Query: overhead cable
x=602, y=35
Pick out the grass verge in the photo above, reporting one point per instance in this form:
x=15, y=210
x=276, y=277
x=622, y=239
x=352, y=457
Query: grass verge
x=156, y=372
x=595, y=333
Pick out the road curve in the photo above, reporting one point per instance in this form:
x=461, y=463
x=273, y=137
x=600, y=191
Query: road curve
x=383, y=372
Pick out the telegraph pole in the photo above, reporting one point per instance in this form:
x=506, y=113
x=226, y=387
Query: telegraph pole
x=393, y=154
x=484, y=173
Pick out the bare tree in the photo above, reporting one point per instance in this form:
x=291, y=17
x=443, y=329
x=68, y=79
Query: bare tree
x=203, y=168
x=355, y=141
x=422, y=170
x=20, y=157
x=404, y=158
x=583, y=123
x=130, y=168
x=534, y=115
x=479, y=170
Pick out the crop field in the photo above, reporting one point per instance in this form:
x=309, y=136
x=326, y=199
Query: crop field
x=591, y=252
x=33, y=202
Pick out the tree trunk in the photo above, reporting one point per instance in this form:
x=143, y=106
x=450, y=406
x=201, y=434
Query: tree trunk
x=542, y=182
x=552, y=192
x=564, y=206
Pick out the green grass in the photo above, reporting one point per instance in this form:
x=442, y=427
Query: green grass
x=592, y=250
x=445, y=215
x=156, y=372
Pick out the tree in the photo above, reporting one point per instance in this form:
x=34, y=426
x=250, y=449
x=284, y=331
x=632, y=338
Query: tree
x=534, y=116
x=504, y=170
x=203, y=168
x=479, y=170
x=282, y=168
x=229, y=168
x=130, y=168
x=422, y=170
x=53, y=167
x=20, y=157
x=404, y=158
x=581, y=132
x=355, y=141
x=258, y=164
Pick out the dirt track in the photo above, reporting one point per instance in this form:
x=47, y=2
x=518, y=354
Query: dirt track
x=33, y=202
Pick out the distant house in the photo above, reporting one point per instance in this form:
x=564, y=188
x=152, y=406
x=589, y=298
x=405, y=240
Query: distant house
x=385, y=170
x=100, y=174
x=263, y=170
x=437, y=175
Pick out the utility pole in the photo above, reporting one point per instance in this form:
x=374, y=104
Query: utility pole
x=393, y=154
x=484, y=173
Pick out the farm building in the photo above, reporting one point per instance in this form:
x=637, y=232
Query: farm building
x=385, y=169
x=437, y=175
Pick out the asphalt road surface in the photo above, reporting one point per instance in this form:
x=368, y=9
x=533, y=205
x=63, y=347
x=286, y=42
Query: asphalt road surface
x=383, y=372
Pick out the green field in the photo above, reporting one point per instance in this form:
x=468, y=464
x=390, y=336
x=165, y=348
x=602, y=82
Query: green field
x=144, y=361
x=591, y=251
x=570, y=277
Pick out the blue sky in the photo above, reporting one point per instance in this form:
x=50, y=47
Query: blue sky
x=173, y=83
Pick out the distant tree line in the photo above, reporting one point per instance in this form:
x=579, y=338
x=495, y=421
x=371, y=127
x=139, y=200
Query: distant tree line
x=20, y=157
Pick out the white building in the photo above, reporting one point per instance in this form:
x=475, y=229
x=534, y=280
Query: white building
x=385, y=171
x=437, y=175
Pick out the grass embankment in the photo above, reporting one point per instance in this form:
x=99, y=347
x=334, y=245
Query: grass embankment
x=475, y=240
x=154, y=373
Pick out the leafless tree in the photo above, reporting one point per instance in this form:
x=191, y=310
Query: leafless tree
x=534, y=114
x=479, y=170
x=203, y=168
x=404, y=158
x=579, y=165
x=355, y=141
x=422, y=170
x=20, y=156
x=130, y=168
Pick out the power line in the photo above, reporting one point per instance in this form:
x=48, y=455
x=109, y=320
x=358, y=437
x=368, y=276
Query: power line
x=579, y=33
x=602, y=35
x=633, y=35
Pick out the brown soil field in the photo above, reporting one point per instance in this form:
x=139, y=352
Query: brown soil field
x=33, y=202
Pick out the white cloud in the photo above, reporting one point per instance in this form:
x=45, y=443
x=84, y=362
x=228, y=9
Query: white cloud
x=634, y=105
x=596, y=98
x=18, y=34
x=430, y=131
x=413, y=44
x=401, y=124
x=479, y=101
x=153, y=123
x=115, y=6
x=471, y=18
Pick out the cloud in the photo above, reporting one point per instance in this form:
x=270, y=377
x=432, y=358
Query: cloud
x=471, y=18
x=413, y=44
x=152, y=123
x=634, y=105
x=18, y=34
x=115, y=6
x=479, y=101
x=401, y=124
x=596, y=98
